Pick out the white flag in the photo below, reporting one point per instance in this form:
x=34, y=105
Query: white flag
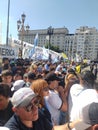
x=47, y=37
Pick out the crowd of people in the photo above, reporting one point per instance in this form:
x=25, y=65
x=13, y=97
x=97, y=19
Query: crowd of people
x=41, y=95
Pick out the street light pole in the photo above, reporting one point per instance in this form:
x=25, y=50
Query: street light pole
x=7, y=33
x=50, y=32
x=21, y=29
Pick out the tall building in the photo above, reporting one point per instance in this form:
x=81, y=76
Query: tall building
x=57, y=38
x=69, y=46
x=84, y=42
x=87, y=42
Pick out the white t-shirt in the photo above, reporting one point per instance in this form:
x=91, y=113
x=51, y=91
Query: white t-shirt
x=53, y=103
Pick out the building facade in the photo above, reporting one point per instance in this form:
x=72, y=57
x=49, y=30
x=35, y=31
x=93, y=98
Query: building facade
x=83, y=43
x=87, y=42
x=57, y=38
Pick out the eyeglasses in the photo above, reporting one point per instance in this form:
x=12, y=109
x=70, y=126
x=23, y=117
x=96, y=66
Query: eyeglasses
x=31, y=105
x=45, y=89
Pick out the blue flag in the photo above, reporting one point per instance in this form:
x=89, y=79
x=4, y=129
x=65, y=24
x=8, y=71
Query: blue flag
x=32, y=51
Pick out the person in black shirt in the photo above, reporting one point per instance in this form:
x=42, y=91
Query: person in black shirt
x=27, y=116
x=5, y=104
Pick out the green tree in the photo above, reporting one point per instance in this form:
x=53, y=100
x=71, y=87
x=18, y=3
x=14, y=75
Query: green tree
x=54, y=48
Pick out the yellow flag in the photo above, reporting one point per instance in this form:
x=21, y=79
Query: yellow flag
x=64, y=55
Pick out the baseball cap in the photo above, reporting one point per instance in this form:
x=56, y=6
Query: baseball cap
x=17, y=85
x=23, y=97
x=89, y=116
x=52, y=77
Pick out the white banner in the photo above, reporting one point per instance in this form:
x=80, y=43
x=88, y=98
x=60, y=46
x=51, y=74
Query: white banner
x=6, y=51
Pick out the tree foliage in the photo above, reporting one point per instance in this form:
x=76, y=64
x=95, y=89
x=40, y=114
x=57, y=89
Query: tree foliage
x=54, y=48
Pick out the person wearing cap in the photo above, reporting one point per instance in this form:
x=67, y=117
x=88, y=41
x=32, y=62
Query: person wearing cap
x=88, y=121
x=81, y=94
x=5, y=104
x=56, y=101
x=17, y=85
x=27, y=116
x=90, y=116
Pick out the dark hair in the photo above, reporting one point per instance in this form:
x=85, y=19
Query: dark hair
x=71, y=71
x=6, y=73
x=4, y=90
x=31, y=76
x=4, y=59
x=19, y=74
x=88, y=77
x=5, y=67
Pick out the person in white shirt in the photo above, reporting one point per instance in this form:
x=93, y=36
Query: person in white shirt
x=81, y=94
x=89, y=120
x=56, y=101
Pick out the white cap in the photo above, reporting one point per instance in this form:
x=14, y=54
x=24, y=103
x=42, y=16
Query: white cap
x=22, y=96
x=17, y=85
x=4, y=128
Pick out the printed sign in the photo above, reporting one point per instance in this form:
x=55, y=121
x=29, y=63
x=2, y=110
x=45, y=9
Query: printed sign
x=7, y=52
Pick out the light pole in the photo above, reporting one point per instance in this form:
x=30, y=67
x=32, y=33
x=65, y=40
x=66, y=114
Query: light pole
x=21, y=29
x=50, y=32
x=7, y=33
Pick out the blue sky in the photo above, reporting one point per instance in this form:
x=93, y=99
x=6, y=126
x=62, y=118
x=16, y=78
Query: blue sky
x=40, y=14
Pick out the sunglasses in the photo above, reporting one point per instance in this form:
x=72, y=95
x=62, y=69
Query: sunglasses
x=46, y=89
x=31, y=105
